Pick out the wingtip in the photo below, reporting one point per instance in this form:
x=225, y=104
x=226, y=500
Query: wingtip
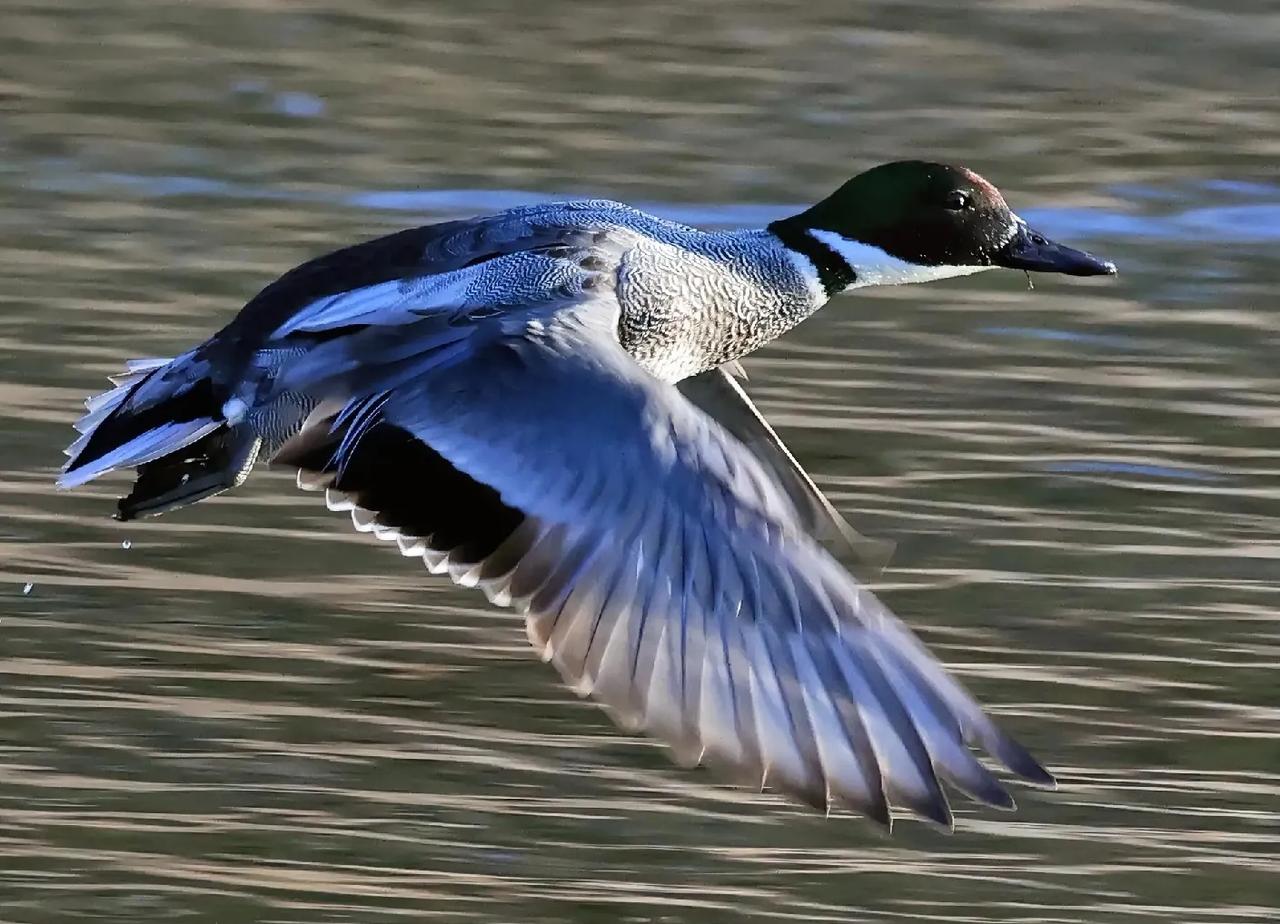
x=1019, y=760
x=1043, y=778
x=998, y=798
x=937, y=812
x=983, y=787
x=814, y=797
x=73, y=478
x=1016, y=758
x=881, y=814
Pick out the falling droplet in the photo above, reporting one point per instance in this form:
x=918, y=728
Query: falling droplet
x=27, y=588
x=1030, y=285
x=126, y=544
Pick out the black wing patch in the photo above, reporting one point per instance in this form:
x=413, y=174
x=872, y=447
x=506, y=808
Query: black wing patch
x=408, y=486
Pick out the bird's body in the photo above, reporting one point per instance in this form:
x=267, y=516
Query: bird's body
x=541, y=403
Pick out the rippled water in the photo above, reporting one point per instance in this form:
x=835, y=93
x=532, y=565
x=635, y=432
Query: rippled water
x=245, y=712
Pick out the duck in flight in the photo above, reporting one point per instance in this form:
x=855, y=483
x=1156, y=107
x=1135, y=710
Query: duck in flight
x=545, y=404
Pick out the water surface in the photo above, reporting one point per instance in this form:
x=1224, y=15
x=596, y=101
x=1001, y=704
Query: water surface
x=246, y=712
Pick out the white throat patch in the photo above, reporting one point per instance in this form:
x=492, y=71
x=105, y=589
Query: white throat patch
x=873, y=267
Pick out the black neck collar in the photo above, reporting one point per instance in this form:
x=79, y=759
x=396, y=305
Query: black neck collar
x=834, y=271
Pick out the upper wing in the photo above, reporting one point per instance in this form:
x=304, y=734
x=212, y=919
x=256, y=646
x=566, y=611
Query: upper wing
x=719, y=392
x=351, y=280
x=660, y=566
x=161, y=408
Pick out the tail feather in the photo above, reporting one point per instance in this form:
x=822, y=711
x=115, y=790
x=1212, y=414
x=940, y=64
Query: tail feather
x=208, y=466
x=157, y=406
x=137, y=369
x=99, y=410
x=146, y=447
x=100, y=406
x=109, y=400
x=168, y=419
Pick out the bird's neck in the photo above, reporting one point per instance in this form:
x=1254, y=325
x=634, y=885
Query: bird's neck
x=840, y=263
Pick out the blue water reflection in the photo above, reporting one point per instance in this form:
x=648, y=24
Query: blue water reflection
x=1224, y=223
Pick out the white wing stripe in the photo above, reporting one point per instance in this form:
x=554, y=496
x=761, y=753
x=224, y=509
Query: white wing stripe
x=399, y=301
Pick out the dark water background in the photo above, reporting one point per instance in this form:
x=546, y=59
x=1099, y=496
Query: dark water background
x=245, y=712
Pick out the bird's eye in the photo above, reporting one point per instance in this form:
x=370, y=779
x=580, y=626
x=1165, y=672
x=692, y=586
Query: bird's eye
x=957, y=200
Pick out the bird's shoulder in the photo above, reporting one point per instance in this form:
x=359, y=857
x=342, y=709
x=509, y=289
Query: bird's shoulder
x=440, y=248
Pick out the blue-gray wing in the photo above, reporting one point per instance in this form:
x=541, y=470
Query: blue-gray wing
x=181, y=422
x=721, y=394
x=660, y=565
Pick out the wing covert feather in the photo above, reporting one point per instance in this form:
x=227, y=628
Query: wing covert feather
x=665, y=571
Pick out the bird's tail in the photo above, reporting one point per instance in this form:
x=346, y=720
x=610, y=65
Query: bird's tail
x=168, y=419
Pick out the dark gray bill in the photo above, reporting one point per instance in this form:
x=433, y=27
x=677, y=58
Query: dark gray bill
x=1032, y=251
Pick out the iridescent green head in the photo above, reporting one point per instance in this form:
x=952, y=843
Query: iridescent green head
x=934, y=218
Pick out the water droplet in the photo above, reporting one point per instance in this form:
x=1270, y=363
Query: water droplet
x=126, y=544
x=27, y=588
